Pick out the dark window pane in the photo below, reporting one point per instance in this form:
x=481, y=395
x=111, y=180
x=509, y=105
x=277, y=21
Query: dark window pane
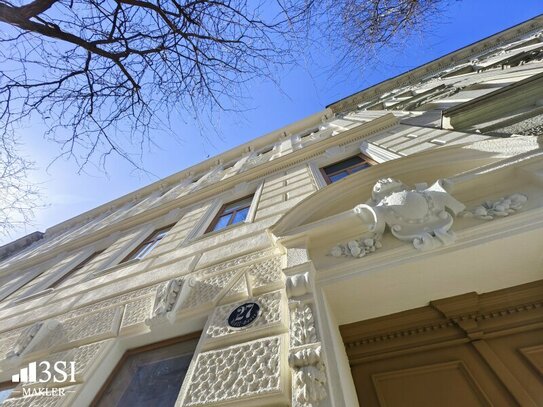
x=241, y=215
x=349, y=162
x=4, y=393
x=359, y=167
x=156, y=383
x=338, y=176
x=222, y=222
x=149, y=378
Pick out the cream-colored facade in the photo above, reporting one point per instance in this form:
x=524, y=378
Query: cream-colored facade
x=450, y=204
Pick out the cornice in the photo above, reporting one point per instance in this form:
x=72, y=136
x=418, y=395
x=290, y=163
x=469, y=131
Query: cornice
x=416, y=75
x=215, y=189
x=491, y=312
x=173, y=179
x=404, y=254
x=418, y=330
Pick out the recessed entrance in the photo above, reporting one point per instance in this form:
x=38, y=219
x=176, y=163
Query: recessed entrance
x=466, y=350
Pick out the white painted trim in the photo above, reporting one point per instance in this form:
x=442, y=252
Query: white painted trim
x=315, y=171
x=57, y=275
x=377, y=153
x=31, y=296
x=199, y=228
x=338, y=372
x=17, y=283
x=254, y=204
x=141, y=236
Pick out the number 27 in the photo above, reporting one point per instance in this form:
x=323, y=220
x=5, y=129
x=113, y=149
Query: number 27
x=244, y=309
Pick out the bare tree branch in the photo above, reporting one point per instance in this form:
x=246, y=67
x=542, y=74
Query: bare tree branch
x=102, y=75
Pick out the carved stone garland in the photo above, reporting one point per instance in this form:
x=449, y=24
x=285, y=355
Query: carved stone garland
x=501, y=207
x=308, y=370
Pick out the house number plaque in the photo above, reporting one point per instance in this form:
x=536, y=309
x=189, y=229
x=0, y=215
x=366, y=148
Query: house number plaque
x=244, y=315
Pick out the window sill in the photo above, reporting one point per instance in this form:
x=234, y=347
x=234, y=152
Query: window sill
x=216, y=232
x=111, y=269
x=32, y=296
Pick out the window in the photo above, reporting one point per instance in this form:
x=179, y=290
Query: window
x=149, y=376
x=148, y=244
x=265, y=151
x=5, y=390
x=310, y=132
x=76, y=269
x=339, y=170
x=231, y=213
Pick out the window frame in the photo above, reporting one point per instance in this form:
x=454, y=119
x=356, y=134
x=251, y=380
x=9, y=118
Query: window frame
x=77, y=267
x=362, y=156
x=220, y=213
x=6, y=386
x=194, y=336
x=148, y=239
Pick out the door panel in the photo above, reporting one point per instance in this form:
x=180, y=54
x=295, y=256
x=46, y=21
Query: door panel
x=447, y=376
x=468, y=350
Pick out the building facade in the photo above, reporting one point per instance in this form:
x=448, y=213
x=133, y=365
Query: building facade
x=384, y=251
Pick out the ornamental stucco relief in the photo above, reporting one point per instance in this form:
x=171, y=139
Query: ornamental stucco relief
x=166, y=297
x=308, y=377
x=206, y=289
x=422, y=215
x=236, y=373
x=136, y=312
x=302, y=324
x=24, y=339
x=305, y=359
x=357, y=247
x=35, y=337
x=501, y=207
x=92, y=327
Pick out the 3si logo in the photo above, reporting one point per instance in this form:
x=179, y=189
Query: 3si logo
x=59, y=372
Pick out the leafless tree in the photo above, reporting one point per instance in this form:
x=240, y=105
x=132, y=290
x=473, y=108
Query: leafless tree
x=102, y=75
x=19, y=197
x=367, y=26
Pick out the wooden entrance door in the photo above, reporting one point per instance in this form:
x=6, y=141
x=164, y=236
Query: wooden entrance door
x=468, y=350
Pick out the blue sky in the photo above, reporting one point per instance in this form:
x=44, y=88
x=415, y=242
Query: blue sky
x=303, y=90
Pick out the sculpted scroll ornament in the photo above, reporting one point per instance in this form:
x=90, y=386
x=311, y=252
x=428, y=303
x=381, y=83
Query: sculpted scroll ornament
x=33, y=337
x=422, y=216
x=24, y=340
x=166, y=297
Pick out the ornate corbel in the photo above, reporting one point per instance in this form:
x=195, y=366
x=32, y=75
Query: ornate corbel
x=166, y=298
x=33, y=338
